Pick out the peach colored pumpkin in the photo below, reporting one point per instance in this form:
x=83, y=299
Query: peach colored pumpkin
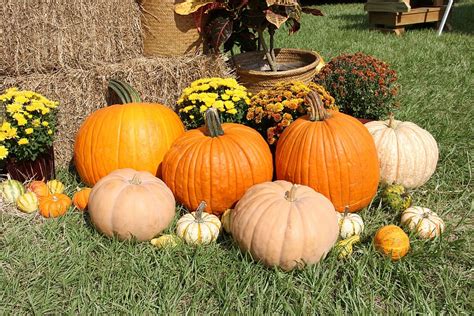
x=128, y=203
x=284, y=225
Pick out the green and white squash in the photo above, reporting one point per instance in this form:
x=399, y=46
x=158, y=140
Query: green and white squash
x=426, y=223
x=350, y=224
x=11, y=190
x=198, y=228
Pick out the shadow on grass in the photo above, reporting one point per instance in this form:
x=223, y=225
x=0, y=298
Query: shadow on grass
x=460, y=19
x=356, y=21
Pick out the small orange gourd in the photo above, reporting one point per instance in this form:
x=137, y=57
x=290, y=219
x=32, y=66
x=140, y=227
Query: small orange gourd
x=39, y=188
x=392, y=241
x=81, y=197
x=54, y=205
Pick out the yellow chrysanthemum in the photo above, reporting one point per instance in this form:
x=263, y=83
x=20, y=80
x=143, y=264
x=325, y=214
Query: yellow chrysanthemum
x=229, y=105
x=20, y=119
x=50, y=132
x=44, y=123
x=29, y=131
x=14, y=108
x=232, y=111
x=203, y=109
x=36, y=122
x=23, y=141
x=3, y=152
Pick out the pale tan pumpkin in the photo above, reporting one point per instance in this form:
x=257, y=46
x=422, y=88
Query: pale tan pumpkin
x=284, y=225
x=407, y=153
x=426, y=223
x=127, y=203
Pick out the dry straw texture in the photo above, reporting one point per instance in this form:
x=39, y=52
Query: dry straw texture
x=45, y=35
x=83, y=91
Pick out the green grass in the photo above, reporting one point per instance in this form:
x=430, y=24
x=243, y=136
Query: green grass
x=64, y=266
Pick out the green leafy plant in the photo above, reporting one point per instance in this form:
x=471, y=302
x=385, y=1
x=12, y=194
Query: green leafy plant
x=27, y=124
x=363, y=86
x=243, y=23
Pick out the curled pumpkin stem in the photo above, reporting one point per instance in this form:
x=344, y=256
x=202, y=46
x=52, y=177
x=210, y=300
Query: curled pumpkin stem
x=316, y=105
x=199, y=210
x=391, y=119
x=213, y=123
x=291, y=195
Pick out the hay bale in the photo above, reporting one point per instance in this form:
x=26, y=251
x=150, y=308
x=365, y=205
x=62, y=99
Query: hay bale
x=80, y=92
x=47, y=35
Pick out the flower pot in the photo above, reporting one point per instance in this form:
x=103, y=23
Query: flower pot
x=363, y=120
x=39, y=169
x=294, y=64
x=167, y=33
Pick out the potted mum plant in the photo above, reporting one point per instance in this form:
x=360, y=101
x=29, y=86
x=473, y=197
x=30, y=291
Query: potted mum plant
x=27, y=126
x=247, y=24
x=224, y=94
x=362, y=85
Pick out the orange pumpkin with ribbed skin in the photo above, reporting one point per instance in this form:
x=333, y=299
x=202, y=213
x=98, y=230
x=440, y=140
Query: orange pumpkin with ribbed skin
x=54, y=205
x=331, y=152
x=39, y=188
x=216, y=164
x=133, y=135
x=81, y=198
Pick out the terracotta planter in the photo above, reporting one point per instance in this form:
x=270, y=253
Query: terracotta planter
x=253, y=71
x=363, y=121
x=39, y=169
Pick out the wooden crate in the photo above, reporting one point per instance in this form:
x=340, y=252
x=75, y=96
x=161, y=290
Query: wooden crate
x=395, y=22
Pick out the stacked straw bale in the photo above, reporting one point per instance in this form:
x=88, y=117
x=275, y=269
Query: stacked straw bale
x=81, y=91
x=49, y=35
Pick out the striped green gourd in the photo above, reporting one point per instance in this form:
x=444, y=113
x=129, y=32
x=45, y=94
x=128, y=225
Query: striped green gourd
x=11, y=190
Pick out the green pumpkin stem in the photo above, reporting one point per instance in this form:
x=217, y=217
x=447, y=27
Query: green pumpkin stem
x=199, y=210
x=316, y=105
x=213, y=123
x=290, y=195
x=135, y=180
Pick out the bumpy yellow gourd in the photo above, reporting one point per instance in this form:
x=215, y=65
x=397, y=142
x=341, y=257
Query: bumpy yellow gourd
x=165, y=241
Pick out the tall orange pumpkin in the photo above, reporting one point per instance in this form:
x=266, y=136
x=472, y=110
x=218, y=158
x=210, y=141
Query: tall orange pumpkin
x=331, y=152
x=216, y=164
x=133, y=135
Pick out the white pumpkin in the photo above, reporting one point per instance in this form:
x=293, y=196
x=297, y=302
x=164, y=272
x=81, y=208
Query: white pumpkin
x=426, y=223
x=407, y=153
x=198, y=228
x=350, y=224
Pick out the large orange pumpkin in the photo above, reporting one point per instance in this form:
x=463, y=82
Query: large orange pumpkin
x=133, y=135
x=216, y=164
x=331, y=152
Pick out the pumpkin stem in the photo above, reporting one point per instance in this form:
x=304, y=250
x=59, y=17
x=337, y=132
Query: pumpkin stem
x=121, y=92
x=135, y=179
x=55, y=198
x=316, y=105
x=391, y=119
x=290, y=195
x=213, y=123
x=346, y=210
x=199, y=210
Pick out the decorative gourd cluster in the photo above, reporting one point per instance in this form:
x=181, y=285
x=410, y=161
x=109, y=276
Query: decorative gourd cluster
x=140, y=162
x=46, y=198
